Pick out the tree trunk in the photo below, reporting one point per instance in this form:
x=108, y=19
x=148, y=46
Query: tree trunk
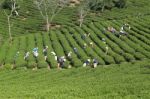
x=51, y=19
x=9, y=28
x=81, y=21
x=103, y=5
x=103, y=8
x=47, y=24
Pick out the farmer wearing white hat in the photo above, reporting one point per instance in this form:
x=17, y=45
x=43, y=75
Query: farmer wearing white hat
x=69, y=55
x=84, y=45
x=86, y=63
x=61, y=61
x=95, y=63
x=54, y=54
x=106, y=49
x=91, y=44
x=26, y=55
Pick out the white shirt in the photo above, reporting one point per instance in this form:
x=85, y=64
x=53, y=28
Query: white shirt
x=53, y=53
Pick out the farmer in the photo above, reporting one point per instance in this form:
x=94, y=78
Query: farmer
x=83, y=36
x=84, y=45
x=69, y=55
x=54, y=54
x=104, y=31
x=26, y=56
x=106, y=49
x=35, y=52
x=111, y=29
x=91, y=44
x=86, y=63
x=127, y=25
x=61, y=62
x=95, y=63
x=45, y=52
x=122, y=32
x=103, y=40
x=75, y=49
x=89, y=34
x=16, y=56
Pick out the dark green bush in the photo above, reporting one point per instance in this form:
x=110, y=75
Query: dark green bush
x=8, y=66
x=21, y=63
x=42, y=64
x=119, y=59
x=31, y=65
x=109, y=60
x=129, y=57
x=77, y=63
x=138, y=55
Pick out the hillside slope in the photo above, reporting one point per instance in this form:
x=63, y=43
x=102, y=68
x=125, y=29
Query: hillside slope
x=30, y=20
x=126, y=81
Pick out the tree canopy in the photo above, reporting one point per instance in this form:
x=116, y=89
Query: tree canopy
x=101, y=5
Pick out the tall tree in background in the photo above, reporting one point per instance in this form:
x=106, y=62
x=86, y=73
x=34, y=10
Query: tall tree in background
x=12, y=6
x=83, y=11
x=108, y=4
x=101, y=5
x=120, y=3
x=1, y=37
x=49, y=9
x=0, y=5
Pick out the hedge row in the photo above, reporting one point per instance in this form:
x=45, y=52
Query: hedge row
x=137, y=48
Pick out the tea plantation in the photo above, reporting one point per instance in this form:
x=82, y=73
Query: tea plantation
x=123, y=70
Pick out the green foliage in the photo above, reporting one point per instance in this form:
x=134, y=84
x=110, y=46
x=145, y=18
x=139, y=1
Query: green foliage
x=7, y=4
x=122, y=49
x=120, y=3
x=8, y=66
x=31, y=65
x=106, y=4
x=42, y=64
x=124, y=81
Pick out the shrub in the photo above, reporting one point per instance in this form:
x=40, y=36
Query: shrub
x=77, y=63
x=66, y=64
x=51, y=61
x=8, y=66
x=129, y=57
x=109, y=60
x=42, y=64
x=100, y=61
x=138, y=55
x=119, y=59
x=21, y=63
x=31, y=65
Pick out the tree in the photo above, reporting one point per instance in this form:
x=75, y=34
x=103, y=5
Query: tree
x=108, y=4
x=120, y=3
x=49, y=9
x=101, y=5
x=1, y=1
x=12, y=5
x=83, y=11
